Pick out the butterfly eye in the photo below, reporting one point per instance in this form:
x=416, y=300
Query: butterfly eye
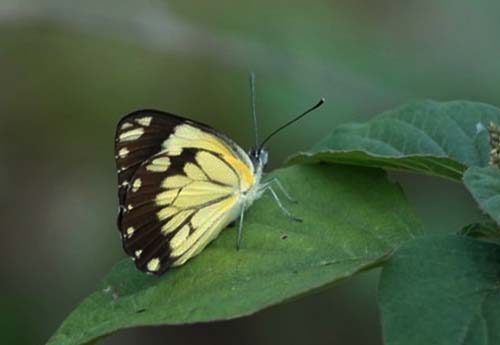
x=263, y=156
x=258, y=156
x=253, y=154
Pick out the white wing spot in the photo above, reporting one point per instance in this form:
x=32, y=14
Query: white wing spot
x=138, y=253
x=144, y=121
x=130, y=231
x=126, y=125
x=123, y=152
x=159, y=165
x=156, y=168
x=131, y=135
x=154, y=265
x=129, y=207
x=136, y=185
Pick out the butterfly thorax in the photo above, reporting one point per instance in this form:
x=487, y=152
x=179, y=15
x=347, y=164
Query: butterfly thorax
x=258, y=158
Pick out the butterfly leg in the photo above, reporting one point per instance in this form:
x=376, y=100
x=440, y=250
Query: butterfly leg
x=280, y=205
x=282, y=189
x=240, y=229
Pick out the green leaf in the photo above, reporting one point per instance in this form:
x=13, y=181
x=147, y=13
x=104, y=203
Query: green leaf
x=442, y=290
x=428, y=137
x=353, y=219
x=484, y=185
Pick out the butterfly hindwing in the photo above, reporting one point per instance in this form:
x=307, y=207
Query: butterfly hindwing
x=180, y=197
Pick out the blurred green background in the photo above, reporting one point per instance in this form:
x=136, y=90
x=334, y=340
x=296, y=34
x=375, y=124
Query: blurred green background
x=70, y=69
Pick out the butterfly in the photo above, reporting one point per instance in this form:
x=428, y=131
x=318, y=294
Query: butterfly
x=180, y=183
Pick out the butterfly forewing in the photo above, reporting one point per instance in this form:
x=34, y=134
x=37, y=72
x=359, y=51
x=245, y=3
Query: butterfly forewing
x=181, y=183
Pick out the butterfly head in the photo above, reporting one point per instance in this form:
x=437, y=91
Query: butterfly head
x=258, y=156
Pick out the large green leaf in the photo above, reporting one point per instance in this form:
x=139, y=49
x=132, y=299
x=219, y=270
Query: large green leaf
x=353, y=219
x=442, y=290
x=484, y=185
x=427, y=137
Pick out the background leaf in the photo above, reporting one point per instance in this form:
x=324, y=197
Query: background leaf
x=442, y=290
x=484, y=185
x=488, y=231
x=353, y=218
x=428, y=137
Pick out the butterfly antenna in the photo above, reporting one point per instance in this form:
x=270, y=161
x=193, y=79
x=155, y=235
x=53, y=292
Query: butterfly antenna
x=252, y=104
x=319, y=104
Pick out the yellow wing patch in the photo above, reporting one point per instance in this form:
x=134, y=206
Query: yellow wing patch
x=216, y=169
x=166, y=198
x=176, y=181
x=193, y=172
x=180, y=237
x=207, y=223
x=166, y=213
x=200, y=193
x=176, y=221
x=187, y=136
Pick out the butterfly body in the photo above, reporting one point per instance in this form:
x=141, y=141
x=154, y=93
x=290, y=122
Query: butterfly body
x=180, y=184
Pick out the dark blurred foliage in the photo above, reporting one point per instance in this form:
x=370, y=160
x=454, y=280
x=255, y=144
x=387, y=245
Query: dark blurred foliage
x=71, y=69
